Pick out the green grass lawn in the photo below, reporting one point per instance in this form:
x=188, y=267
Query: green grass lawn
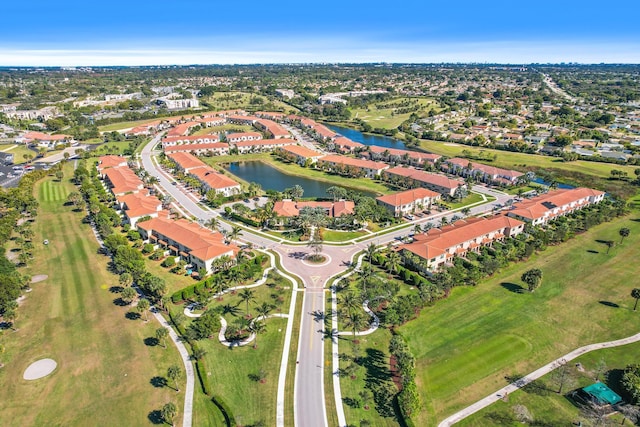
x=126, y=125
x=389, y=118
x=545, y=405
x=510, y=160
x=225, y=128
x=341, y=236
x=466, y=344
x=104, y=368
x=471, y=199
x=18, y=152
x=242, y=100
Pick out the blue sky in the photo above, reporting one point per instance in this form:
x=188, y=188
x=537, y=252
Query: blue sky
x=140, y=32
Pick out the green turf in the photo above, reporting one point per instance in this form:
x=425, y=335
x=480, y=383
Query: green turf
x=225, y=128
x=341, y=236
x=389, y=118
x=542, y=401
x=104, y=367
x=466, y=344
x=18, y=152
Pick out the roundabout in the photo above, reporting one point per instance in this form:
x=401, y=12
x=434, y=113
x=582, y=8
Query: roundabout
x=325, y=260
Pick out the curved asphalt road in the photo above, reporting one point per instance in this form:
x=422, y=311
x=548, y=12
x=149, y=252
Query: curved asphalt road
x=309, y=397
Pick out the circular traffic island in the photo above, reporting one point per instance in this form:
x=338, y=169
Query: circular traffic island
x=316, y=260
x=39, y=369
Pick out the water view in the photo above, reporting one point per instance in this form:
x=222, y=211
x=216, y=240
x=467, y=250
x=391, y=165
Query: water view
x=368, y=139
x=271, y=178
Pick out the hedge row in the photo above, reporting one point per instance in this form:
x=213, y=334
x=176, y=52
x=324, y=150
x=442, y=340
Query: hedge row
x=407, y=276
x=187, y=293
x=244, y=220
x=202, y=374
x=224, y=408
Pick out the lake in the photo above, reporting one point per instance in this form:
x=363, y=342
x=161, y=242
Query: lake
x=271, y=178
x=368, y=139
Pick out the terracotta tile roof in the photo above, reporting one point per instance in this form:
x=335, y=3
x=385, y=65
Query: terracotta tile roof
x=110, y=161
x=489, y=170
x=289, y=208
x=438, y=241
x=40, y=136
x=213, y=179
x=139, y=204
x=243, y=119
x=213, y=146
x=350, y=161
x=301, y=151
x=201, y=242
x=545, y=204
x=186, y=161
x=409, y=196
x=343, y=141
x=123, y=180
x=400, y=153
x=272, y=127
x=182, y=129
x=270, y=115
x=426, y=177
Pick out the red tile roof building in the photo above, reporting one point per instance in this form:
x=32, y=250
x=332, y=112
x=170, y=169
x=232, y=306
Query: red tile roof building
x=440, y=245
x=395, y=155
x=343, y=144
x=290, y=208
x=196, y=245
x=334, y=163
x=208, y=177
x=300, y=153
x=243, y=136
x=137, y=205
x=182, y=129
x=272, y=128
x=215, y=148
x=418, y=178
x=490, y=174
x=263, y=145
x=547, y=207
x=122, y=180
x=171, y=141
x=109, y=161
x=409, y=202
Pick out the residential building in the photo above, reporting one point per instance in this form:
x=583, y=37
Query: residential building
x=121, y=180
x=343, y=144
x=272, y=128
x=243, y=136
x=110, y=161
x=171, y=141
x=395, y=155
x=213, y=148
x=262, y=145
x=139, y=205
x=44, y=139
x=182, y=129
x=290, y=208
x=285, y=93
x=410, y=177
x=300, y=154
x=409, y=201
x=488, y=174
x=546, y=207
x=337, y=163
x=213, y=180
x=194, y=244
x=242, y=120
x=440, y=245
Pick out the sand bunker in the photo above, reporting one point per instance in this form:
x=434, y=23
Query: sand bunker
x=39, y=278
x=39, y=369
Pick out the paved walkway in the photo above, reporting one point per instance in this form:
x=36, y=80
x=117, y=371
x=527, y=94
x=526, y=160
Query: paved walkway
x=223, y=329
x=499, y=394
x=375, y=323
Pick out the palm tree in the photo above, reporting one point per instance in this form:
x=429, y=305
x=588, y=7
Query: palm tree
x=161, y=335
x=10, y=316
x=213, y=223
x=247, y=295
x=356, y=320
x=126, y=279
x=174, y=373
x=349, y=301
x=635, y=293
x=610, y=244
x=169, y=411
x=263, y=310
x=624, y=232
x=393, y=261
x=257, y=328
x=142, y=307
x=128, y=295
x=235, y=232
x=371, y=249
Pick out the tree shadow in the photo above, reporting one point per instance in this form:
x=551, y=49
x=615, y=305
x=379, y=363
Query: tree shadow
x=318, y=316
x=120, y=302
x=151, y=341
x=159, y=382
x=609, y=304
x=591, y=251
x=132, y=315
x=233, y=310
x=155, y=417
x=115, y=289
x=352, y=403
x=512, y=287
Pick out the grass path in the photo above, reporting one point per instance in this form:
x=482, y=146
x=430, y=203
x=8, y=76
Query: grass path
x=104, y=367
x=466, y=344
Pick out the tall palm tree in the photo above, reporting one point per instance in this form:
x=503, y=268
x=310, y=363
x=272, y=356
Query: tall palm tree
x=161, y=335
x=371, y=249
x=247, y=295
x=212, y=223
x=174, y=373
x=169, y=412
x=349, y=301
x=624, y=232
x=235, y=232
x=263, y=310
x=635, y=293
x=356, y=320
x=126, y=279
x=257, y=328
x=142, y=307
x=393, y=261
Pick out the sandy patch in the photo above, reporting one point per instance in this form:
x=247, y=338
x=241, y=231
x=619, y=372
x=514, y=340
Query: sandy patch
x=40, y=369
x=450, y=144
x=39, y=278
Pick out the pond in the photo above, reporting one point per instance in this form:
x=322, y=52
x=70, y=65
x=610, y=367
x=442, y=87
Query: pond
x=368, y=139
x=545, y=183
x=271, y=178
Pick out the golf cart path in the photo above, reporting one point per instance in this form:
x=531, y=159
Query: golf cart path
x=499, y=394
